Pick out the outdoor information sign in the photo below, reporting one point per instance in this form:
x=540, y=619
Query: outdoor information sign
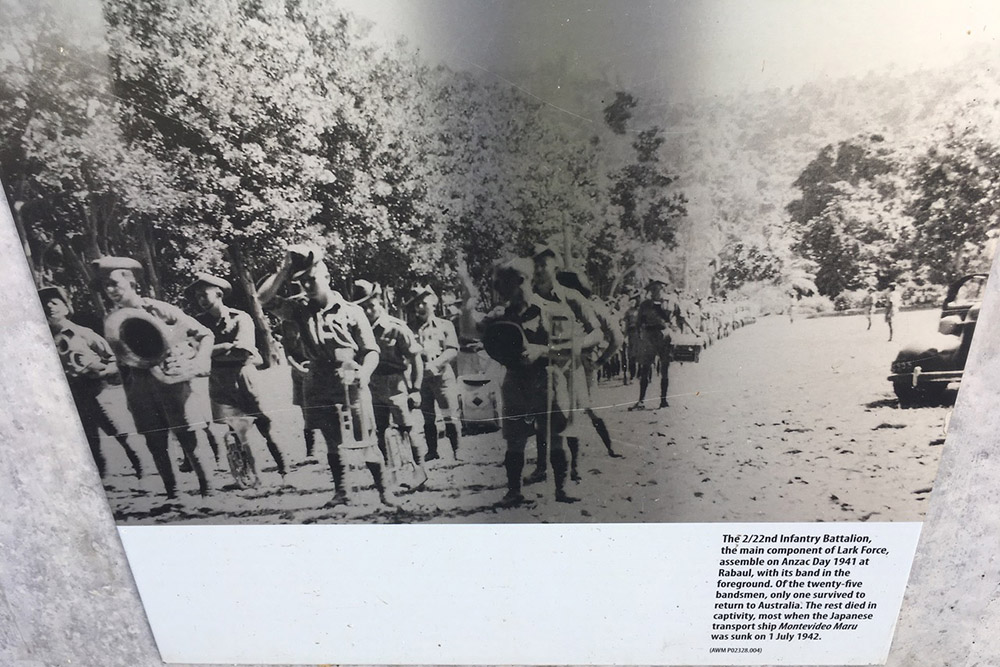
x=466, y=332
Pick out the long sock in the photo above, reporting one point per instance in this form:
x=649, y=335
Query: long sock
x=513, y=461
x=213, y=443
x=336, y=469
x=156, y=442
x=643, y=383
x=133, y=458
x=189, y=441
x=559, y=467
x=574, y=452
x=431, y=437
x=451, y=430
x=264, y=426
x=542, y=462
x=309, y=436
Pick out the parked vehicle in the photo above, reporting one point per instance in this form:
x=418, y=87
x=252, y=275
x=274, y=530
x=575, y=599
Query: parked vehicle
x=924, y=368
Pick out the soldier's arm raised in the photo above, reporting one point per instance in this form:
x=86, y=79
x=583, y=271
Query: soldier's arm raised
x=270, y=288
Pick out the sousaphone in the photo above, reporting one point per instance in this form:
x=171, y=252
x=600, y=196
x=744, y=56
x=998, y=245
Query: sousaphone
x=142, y=340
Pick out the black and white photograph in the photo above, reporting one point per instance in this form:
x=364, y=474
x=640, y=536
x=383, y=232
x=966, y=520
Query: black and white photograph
x=444, y=261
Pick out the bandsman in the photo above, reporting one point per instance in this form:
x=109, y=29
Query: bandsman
x=599, y=355
x=654, y=320
x=534, y=393
x=89, y=363
x=340, y=356
x=439, y=390
x=396, y=381
x=575, y=332
x=631, y=337
x=232, y=384
x=157, y=381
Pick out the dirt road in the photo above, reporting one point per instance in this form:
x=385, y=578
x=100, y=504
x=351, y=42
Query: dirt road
x=779, y=422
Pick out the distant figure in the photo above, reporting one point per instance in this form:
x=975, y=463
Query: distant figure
x=868, y=303
x=654, y=321
x=631, y=337
x=894, y=301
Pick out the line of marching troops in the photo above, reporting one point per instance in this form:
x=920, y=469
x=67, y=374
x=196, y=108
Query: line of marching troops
x=361, y=375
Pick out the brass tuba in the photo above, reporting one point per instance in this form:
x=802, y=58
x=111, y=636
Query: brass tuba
x=142, y=340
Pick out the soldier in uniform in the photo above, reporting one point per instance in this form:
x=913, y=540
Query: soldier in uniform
x=631, y=338
x=160, y=396
x=597, y=357
x=868, y=305
x=89, y=363
x=535, y=395
x=340, y=356
x=576, y=325
x=232, y=381
x=299, y=368
x=396, y=381
x=893, y=302
x=654, y=321
x=439, y=390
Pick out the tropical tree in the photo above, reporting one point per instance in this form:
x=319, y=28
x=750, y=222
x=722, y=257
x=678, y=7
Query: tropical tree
x=956, y=188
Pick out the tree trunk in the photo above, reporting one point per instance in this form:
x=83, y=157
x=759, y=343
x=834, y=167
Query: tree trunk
x=152, y=274
x=88, y=278
x=620, y=277
x=270, y=351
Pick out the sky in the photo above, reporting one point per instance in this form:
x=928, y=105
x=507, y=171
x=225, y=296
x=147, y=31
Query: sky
x=690, y=48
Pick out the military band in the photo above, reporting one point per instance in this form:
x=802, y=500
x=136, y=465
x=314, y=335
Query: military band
x=379, y=390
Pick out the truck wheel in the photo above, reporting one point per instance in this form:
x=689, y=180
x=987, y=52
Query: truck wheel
x=908, y=395
x=934, y=393
x=921, y=395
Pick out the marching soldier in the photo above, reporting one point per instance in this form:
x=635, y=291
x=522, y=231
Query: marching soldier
x=654, y=321
x=598, y=356
x=89, y=363
x=631, y=338
x=232, y=381
x=439, y=390
x=158, y=389
x=396, y=381
x=893, y=303
x=340, y=356
x=868, y=305
x=576, y=331
x=535, y=395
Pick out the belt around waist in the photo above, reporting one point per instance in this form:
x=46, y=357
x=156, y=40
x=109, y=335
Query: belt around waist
x=389, y=371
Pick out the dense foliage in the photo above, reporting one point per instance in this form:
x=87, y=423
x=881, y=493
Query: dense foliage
x=206, y=136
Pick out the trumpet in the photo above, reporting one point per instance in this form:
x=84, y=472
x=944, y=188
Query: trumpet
x=143, y=341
